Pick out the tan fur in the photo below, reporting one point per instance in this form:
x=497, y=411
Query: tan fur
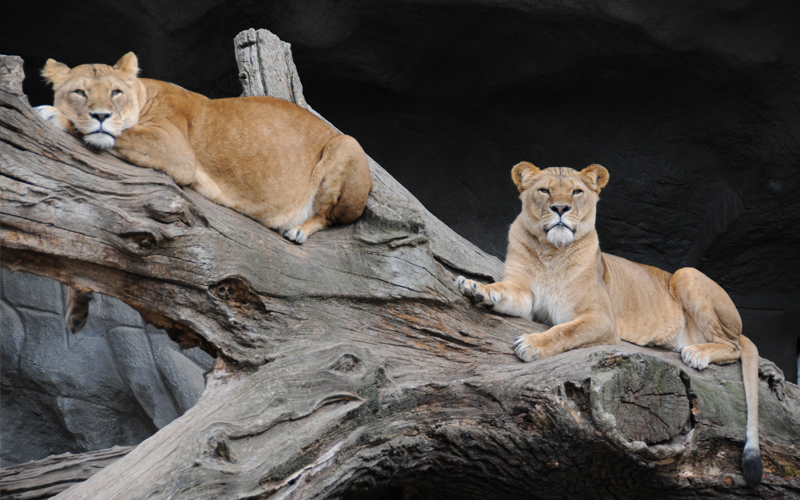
x=559, y=275
x=77, y=309
x=265, y=157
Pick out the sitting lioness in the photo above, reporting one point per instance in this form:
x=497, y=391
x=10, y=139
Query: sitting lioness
x=555, y=271
x=264, y=157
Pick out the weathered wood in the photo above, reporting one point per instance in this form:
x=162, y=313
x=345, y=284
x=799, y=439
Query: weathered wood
x=266, y=66
x=40, y=479
x=352, y=362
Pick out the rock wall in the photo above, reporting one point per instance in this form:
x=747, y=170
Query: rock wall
x=114, y=383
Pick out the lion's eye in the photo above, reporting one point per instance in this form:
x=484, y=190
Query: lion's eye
x=79, y=92
x=545, y=191
x=576, y=192
x=115, y=92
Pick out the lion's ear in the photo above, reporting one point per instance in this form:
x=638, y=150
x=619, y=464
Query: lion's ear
x=522, y=175
x=55, y=72
x=128, y=64
x=596, y=176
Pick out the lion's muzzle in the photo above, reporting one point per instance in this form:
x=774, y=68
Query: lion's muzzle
x=100, y=139
x=100, y=136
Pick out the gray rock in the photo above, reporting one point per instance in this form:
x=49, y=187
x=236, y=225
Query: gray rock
x=11, y=341
x=108, y=310
x=95, y=426
x=136, y=364
x=114, y=383
x=32, y=292
x=31, y=426
x=182, y=372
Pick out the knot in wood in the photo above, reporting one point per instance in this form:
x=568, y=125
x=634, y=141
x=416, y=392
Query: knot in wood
x=218, y=447
x=237, y=294
x=346, y=363
x=140, y=242
x=168, y=208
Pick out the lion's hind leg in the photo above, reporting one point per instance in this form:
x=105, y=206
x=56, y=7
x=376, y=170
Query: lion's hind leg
x=713, y=324
x=300, y=234
x=714, y=335
x=701, y=355
x=345, y=188
x=342, y=182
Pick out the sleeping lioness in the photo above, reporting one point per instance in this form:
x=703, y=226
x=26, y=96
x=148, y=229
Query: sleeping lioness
x=555, y=271
x=265, y=157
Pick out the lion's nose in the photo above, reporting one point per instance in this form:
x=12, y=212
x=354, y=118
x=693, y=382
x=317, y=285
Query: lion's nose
x=560, y=209
x=100, y=116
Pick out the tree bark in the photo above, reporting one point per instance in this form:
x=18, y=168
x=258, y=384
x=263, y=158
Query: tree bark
x=41, y=479
x=351, y=362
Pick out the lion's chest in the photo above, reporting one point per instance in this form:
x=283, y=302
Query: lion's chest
x=554, y=297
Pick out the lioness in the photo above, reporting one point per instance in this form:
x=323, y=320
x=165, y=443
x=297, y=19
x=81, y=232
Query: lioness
x=555, y=271
x=265, y=157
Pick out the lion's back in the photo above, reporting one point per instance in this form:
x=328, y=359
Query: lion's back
x=256, y=149
x=641, y=300
x=244, y=129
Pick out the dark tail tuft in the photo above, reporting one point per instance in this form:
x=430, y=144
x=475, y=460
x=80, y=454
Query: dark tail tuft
x=752, y=469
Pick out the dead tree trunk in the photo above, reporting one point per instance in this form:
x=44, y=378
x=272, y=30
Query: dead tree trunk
x=352, y=362
x=46, y=478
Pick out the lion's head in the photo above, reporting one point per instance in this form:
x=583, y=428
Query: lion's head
x=559, y=203
x=101, y=101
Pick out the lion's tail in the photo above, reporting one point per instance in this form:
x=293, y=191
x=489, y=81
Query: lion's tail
x=752, y=468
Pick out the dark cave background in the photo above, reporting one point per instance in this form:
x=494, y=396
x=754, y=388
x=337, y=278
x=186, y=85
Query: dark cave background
x=694, y=108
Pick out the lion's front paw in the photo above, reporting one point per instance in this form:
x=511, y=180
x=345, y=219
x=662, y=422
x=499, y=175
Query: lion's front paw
x=295, y=234
x=53, y=116
x=477, y=292
x=469, y=288
x=530, y=347
x=46, y=112
x=694, y=356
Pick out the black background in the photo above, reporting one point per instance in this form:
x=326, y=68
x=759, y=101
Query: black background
x=693, y=106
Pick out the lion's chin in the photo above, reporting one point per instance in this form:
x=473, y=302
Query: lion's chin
x=560, y=236
x=100, y=140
